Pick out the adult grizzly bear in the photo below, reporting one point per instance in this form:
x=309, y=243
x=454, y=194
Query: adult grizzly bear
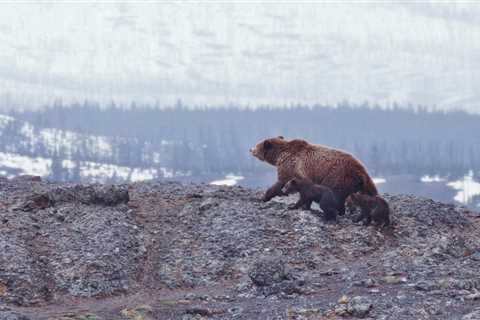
x=338, y=170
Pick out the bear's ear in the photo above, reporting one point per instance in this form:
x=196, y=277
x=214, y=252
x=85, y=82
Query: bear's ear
x=281, y=137
x=267, y=145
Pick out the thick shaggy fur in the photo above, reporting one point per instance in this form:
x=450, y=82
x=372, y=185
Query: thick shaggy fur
x=373, y=208
x=310, y=192
x=338, y=170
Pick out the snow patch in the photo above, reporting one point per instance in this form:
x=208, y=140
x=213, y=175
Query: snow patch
x=230, y=180
x=68, y=164
x=467, y=188
x=379, y=180
x=27, y=165
x=142, y=174
x=166, y=173
x=435, y=178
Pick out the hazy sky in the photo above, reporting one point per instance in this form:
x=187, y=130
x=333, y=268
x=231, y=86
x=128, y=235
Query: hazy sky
x=241, y=52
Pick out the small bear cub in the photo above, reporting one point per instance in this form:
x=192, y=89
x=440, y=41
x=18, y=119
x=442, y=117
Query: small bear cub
x=372, y=208
x=310, y=192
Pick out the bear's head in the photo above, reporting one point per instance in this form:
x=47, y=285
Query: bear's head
x=358, y=198
x=268, y=150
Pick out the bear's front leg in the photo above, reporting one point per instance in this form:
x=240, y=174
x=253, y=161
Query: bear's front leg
x=307, y=205
x=368, y=220
x=330, y=214
x=273, y=191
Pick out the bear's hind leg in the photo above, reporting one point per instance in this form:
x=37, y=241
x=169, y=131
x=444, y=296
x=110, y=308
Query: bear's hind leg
x=307, y=205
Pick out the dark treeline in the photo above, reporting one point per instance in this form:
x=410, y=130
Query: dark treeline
x=216, y=140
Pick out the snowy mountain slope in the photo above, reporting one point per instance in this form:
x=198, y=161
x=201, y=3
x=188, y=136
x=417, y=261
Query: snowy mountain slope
x=53, y=140
x=241, y=52
x=25, y=149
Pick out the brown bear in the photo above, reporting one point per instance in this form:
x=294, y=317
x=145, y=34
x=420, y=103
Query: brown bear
x=338, y=170
x=310, y=192
x=350, y=206
x=373, y=208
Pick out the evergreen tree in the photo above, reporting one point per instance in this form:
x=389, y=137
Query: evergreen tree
x=57, y=171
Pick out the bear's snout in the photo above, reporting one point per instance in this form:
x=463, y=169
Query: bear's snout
x=257, y=153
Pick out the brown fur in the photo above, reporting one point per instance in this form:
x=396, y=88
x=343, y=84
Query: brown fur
x=373, y=208
x=310, y=192
x=338, y=170
x=350, y=205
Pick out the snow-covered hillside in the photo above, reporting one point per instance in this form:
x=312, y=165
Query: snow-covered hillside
x=25, y=149
x=256, y=52
x=52, y=140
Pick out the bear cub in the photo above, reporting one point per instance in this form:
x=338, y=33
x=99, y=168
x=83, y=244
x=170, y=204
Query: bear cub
x=372, y=208
x=310, y=192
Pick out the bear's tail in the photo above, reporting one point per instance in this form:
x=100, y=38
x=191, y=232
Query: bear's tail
x=368, y=186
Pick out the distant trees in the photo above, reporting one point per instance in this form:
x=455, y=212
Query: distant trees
x=57, y=171
x=216, y=140
x=75, y=172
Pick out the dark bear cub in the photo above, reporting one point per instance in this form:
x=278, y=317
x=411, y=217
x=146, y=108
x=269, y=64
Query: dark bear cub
x=310, y=192
x=372, y=208
x=350, y=206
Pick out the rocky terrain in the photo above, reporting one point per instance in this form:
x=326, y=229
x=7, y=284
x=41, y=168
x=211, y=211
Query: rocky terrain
x=180, y=251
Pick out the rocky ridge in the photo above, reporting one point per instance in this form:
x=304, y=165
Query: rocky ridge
x=156, y=250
